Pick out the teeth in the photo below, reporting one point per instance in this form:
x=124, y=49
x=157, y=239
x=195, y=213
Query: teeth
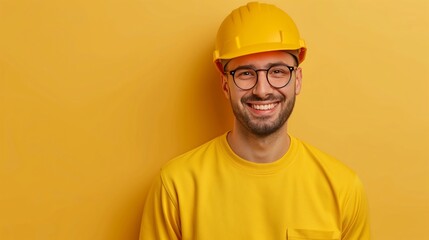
x=263, y=107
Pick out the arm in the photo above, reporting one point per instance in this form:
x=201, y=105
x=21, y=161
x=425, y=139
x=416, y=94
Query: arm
x=355, y=212
x=160, y=216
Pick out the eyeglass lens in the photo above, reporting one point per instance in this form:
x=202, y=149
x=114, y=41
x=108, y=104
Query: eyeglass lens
x=278, y=76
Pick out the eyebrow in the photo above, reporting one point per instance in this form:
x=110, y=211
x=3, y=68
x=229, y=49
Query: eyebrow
x=268, y=65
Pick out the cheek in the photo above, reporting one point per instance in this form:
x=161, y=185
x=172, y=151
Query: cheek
x=289, y=92
x=235, y=97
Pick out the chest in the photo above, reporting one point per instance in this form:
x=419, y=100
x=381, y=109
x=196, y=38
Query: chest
x=241, y=206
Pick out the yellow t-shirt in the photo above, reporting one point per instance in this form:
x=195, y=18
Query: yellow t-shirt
x=210, y=193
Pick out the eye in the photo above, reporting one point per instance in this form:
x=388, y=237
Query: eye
x=279, y=71
x=245, y=73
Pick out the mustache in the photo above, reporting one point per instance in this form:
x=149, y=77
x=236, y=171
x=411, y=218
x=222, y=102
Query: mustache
x=257, y=98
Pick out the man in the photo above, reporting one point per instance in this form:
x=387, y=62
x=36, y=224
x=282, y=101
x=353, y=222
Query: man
x=256, y=181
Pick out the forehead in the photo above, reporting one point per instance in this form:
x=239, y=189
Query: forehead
x=262, y=59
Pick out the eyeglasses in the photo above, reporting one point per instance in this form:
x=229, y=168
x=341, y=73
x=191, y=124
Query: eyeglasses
x=278, y=76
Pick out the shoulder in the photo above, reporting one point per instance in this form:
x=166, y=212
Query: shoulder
x=194, y=155
x=330, y=166
x=183, y=174
x=324, y=168
x=195, y=159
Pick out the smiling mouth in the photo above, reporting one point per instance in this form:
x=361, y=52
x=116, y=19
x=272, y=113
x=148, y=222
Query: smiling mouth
x=263, y=107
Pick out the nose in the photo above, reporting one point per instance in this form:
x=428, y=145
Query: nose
x=262, y=87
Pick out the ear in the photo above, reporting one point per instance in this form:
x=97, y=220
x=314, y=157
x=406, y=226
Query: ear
x=298, y=80
x=225, y=86
x=219, y=66
x=223, y=78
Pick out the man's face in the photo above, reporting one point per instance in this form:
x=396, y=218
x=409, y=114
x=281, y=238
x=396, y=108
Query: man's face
x=263, y=109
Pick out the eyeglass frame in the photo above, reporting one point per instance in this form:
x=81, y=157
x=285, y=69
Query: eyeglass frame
x=291, y=69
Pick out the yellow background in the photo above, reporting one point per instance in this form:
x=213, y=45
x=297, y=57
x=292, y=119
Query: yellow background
x=97, y=95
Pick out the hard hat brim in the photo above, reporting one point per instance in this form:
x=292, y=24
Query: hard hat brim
x=266, y=47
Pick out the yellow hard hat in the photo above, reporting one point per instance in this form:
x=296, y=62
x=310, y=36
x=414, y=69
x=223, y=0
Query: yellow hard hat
x=257, y=27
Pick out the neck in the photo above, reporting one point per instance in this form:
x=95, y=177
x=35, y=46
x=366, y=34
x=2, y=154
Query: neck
x=259, y=149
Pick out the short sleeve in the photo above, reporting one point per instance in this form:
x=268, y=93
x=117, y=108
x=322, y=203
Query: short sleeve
x=355, y=213
x=160, y=218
